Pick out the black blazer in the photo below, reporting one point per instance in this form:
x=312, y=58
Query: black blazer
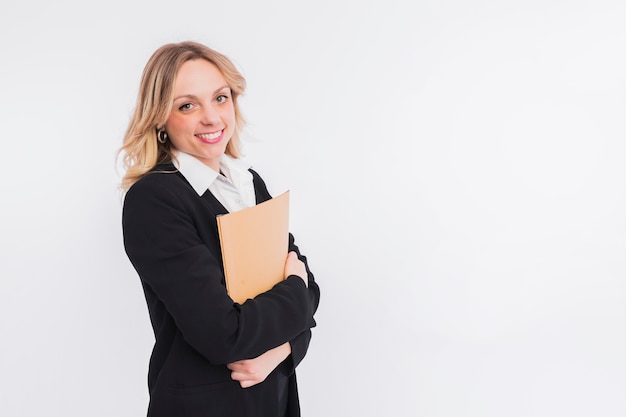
x=170, y=236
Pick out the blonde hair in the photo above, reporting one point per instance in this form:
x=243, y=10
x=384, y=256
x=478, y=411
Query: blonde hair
x=141, y=151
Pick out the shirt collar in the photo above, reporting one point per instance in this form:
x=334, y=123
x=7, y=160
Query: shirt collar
x=200, y=176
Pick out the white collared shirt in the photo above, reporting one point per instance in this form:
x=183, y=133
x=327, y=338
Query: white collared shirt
x=233, y=187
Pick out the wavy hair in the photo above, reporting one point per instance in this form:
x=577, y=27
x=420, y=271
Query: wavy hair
x=141, y=151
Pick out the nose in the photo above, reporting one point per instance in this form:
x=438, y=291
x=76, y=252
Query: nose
x=210, y=115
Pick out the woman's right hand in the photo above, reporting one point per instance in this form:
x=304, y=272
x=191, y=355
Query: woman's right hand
x=294, y=266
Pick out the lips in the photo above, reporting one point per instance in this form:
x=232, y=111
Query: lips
x=211, y=138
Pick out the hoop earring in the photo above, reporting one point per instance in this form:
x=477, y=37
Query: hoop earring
x=162, y=136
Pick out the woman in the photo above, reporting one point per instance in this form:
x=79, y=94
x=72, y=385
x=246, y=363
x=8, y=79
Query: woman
x=211, y=357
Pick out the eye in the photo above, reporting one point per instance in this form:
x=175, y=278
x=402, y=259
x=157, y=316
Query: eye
x=186, y=106
x=222, y=98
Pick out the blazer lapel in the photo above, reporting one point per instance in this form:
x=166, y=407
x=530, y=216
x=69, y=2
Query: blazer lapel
x=214, y=204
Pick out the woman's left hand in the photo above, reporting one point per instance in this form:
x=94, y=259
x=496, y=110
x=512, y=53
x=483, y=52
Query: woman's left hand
x=250, y=372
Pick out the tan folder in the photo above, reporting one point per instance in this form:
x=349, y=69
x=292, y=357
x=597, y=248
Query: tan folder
x=254, y=247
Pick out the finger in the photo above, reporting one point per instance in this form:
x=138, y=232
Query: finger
x=236, y=367
x=247, y=383
x=238, y=376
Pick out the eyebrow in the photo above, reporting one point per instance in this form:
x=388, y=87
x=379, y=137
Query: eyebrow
x=194, y=97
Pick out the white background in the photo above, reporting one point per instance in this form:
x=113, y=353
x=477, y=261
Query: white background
x=458, y=184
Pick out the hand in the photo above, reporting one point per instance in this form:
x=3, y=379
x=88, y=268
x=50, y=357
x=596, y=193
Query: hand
x=250, y=372
x=294, y=266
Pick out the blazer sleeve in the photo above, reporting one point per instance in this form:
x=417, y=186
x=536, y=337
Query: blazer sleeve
x=300, y=344
x=163, y=244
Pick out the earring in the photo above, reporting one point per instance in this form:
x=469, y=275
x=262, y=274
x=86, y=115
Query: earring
x=162, y=136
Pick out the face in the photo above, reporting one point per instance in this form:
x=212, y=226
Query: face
x=202, y=120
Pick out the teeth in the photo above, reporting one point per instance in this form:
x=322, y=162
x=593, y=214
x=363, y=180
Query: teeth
x=210, y=136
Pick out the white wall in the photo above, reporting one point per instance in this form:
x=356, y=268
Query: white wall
x=457, y=182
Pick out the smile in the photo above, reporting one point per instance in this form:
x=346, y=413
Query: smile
x=210, y=137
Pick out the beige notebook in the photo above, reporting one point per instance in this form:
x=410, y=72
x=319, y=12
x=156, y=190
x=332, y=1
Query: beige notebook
x=254, y=247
